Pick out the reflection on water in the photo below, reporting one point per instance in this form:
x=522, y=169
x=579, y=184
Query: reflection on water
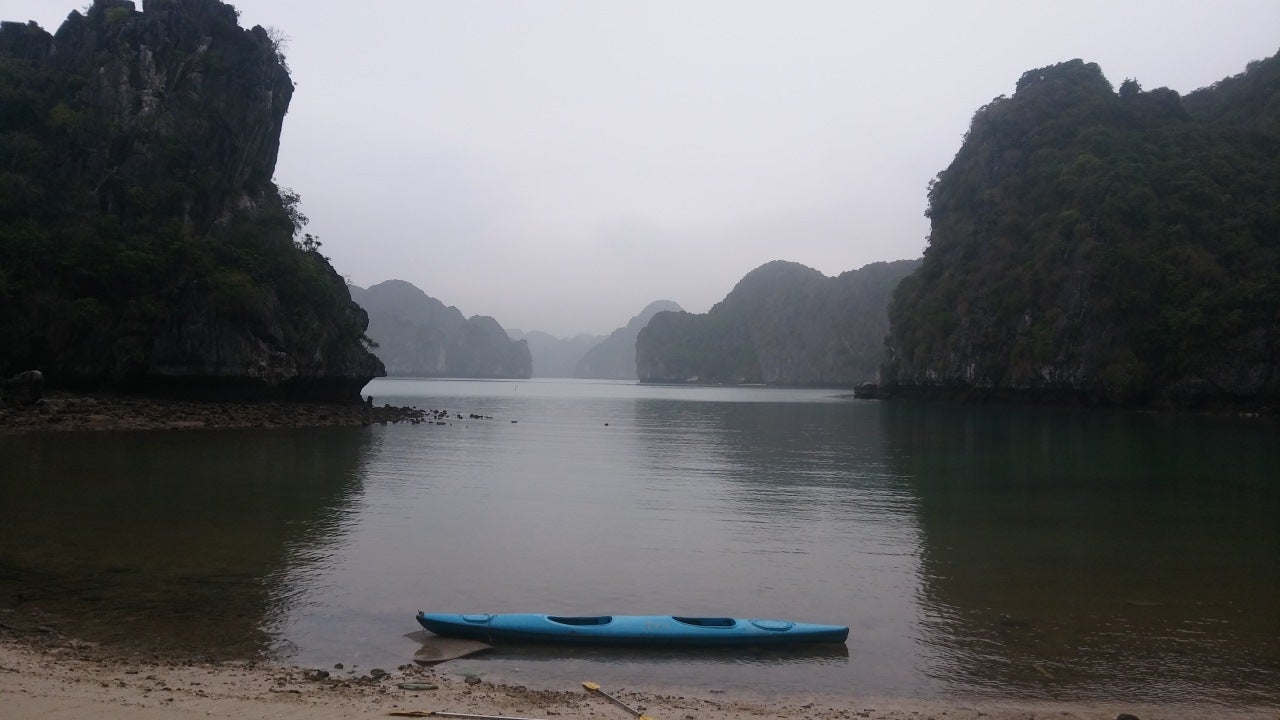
x=587, y=656
x=166, y=541
x=1066, y=550
x=814, y=513
x=1013, y=552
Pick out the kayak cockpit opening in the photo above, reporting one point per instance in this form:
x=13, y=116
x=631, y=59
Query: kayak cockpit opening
x=581, y=621
x=707, y=622
x=774, y=625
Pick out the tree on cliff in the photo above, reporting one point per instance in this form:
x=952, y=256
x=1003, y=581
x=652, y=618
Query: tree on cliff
x=143, y=243
x=1102, y=246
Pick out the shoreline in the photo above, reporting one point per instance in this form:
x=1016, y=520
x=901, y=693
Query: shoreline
x=63, y=412
x=46, y=674
x=54, y=678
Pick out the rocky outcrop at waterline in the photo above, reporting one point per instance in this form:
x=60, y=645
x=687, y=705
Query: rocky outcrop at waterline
x=25, y=388
x=61, y=412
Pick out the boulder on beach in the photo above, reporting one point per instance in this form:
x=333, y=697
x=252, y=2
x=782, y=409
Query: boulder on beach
x=25, y=388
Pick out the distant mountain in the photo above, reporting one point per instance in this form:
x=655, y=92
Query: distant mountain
x=783, y=324
x=419, y=336
x=615, y=357
x=555, y=357
x=1103, y=246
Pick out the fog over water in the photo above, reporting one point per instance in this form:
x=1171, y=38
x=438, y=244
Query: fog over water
x=558, y=165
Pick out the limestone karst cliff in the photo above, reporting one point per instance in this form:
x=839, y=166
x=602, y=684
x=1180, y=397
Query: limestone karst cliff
x=783, y=324
x=614, y=358
x=419, y=336
x=143, y=242
x=1103, y=246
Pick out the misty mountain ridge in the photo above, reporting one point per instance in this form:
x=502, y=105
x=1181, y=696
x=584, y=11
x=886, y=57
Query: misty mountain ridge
x=419, y=336
x=555, y=357
x=783, y=324
x=614, y=358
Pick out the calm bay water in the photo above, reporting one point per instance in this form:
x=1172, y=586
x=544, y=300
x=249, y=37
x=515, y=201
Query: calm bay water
x=1014, y=552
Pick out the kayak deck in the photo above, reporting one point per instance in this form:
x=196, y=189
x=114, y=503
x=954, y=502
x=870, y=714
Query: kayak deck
x=660, y=630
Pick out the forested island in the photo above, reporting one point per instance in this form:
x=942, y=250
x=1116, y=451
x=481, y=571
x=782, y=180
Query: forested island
x=1103, y=247
x=143, y=243
x=1088, y=244
x=783, y=324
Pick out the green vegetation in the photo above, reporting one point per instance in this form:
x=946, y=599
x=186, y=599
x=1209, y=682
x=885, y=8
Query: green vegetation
x=683, y=347
x=783, y=324
x=137, y=211
x=1115, y=247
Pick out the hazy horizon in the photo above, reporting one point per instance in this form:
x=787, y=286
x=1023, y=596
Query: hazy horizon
x=559, y=165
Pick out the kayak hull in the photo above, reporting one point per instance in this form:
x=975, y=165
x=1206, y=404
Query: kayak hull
x=648, y=630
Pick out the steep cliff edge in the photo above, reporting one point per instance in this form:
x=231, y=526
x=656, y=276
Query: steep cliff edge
x=783, y=324
x=143, y=243
x=419, y=336
x=614, y=358
x=1096, y=246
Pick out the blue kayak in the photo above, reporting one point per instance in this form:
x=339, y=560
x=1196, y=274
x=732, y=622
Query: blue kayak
x=659, y=630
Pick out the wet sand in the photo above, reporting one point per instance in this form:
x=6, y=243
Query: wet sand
x=55, y=679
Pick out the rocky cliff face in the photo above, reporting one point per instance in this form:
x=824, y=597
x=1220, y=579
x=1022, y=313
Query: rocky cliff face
x=143, y=244
x=419, y=336
x=316, y=356
x=1106, y=247
x=189, y=92
x=783, y=324
x=615, y=357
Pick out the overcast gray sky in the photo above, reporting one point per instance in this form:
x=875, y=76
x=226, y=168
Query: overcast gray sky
x=560, y=164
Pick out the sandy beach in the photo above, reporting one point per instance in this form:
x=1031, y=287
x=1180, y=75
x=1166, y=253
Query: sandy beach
x=53, y=678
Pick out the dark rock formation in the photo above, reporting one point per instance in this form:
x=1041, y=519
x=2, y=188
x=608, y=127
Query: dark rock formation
x=419, y=336
x=1102, y=247
x=190, y=91
x=614, y=358
x=866, y=390
x=783, y=324
x=143, y=244
x=555, y=357
x=202, y=351
x=25, y=388
x=64, y=412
